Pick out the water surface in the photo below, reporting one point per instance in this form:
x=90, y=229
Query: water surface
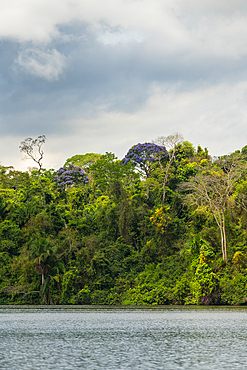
x=123, y=338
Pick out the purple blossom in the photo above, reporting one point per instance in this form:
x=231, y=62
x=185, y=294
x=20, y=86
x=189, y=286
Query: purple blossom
x=70, y=175
x=142, y=155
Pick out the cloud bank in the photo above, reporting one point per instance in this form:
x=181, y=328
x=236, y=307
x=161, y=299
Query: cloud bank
x=102, y=76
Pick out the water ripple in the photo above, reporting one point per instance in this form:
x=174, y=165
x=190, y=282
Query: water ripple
x=123, y=338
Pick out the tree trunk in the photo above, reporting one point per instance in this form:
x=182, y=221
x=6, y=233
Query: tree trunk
x=224, y=233
x=222, y=243
x=166, y=176
x=16, y=194
x=42, y=189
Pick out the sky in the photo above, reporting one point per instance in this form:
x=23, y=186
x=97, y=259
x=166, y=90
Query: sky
x=101, y=76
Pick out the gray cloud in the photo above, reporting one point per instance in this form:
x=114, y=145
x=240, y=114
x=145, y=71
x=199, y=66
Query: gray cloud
x=125, y=71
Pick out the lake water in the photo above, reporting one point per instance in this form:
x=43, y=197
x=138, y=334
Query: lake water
x=123, y=338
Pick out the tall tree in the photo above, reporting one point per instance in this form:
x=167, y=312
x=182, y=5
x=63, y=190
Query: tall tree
x=143, y=156
x=171, y=142
x=33, y=149
x=212, y=187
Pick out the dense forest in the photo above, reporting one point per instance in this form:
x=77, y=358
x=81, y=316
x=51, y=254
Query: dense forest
x=167, y=224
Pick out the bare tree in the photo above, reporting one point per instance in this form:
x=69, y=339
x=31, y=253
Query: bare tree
x=213, y=187
x=33, y=149
x=171, y=142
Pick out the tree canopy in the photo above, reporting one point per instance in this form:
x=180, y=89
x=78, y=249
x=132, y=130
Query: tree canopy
x=165, y=225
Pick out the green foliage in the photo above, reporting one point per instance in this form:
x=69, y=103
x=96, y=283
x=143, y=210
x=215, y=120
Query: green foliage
x=234, y=288
x=10, y=237
x=205, y=287
x=185, y=151
x=82, y=160
x=110, y=243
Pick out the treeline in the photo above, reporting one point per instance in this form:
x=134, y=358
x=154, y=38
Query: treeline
x=167, y=224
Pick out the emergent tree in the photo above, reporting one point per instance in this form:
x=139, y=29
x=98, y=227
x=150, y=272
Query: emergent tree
x=33, y=149
x=171, y=142
x=213, y=187
x=143, y=156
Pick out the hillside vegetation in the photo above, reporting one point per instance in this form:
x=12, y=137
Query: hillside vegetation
x=165, y=225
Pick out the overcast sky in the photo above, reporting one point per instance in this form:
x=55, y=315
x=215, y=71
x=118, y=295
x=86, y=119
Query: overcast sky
x=97, y=76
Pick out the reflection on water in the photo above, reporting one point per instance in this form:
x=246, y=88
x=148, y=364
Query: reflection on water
x=123, y=338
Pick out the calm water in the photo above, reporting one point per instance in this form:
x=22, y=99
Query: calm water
x=123, y=338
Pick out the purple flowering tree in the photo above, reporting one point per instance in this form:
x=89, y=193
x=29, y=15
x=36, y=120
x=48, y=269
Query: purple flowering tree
x=144, y=155
x=67, y=176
